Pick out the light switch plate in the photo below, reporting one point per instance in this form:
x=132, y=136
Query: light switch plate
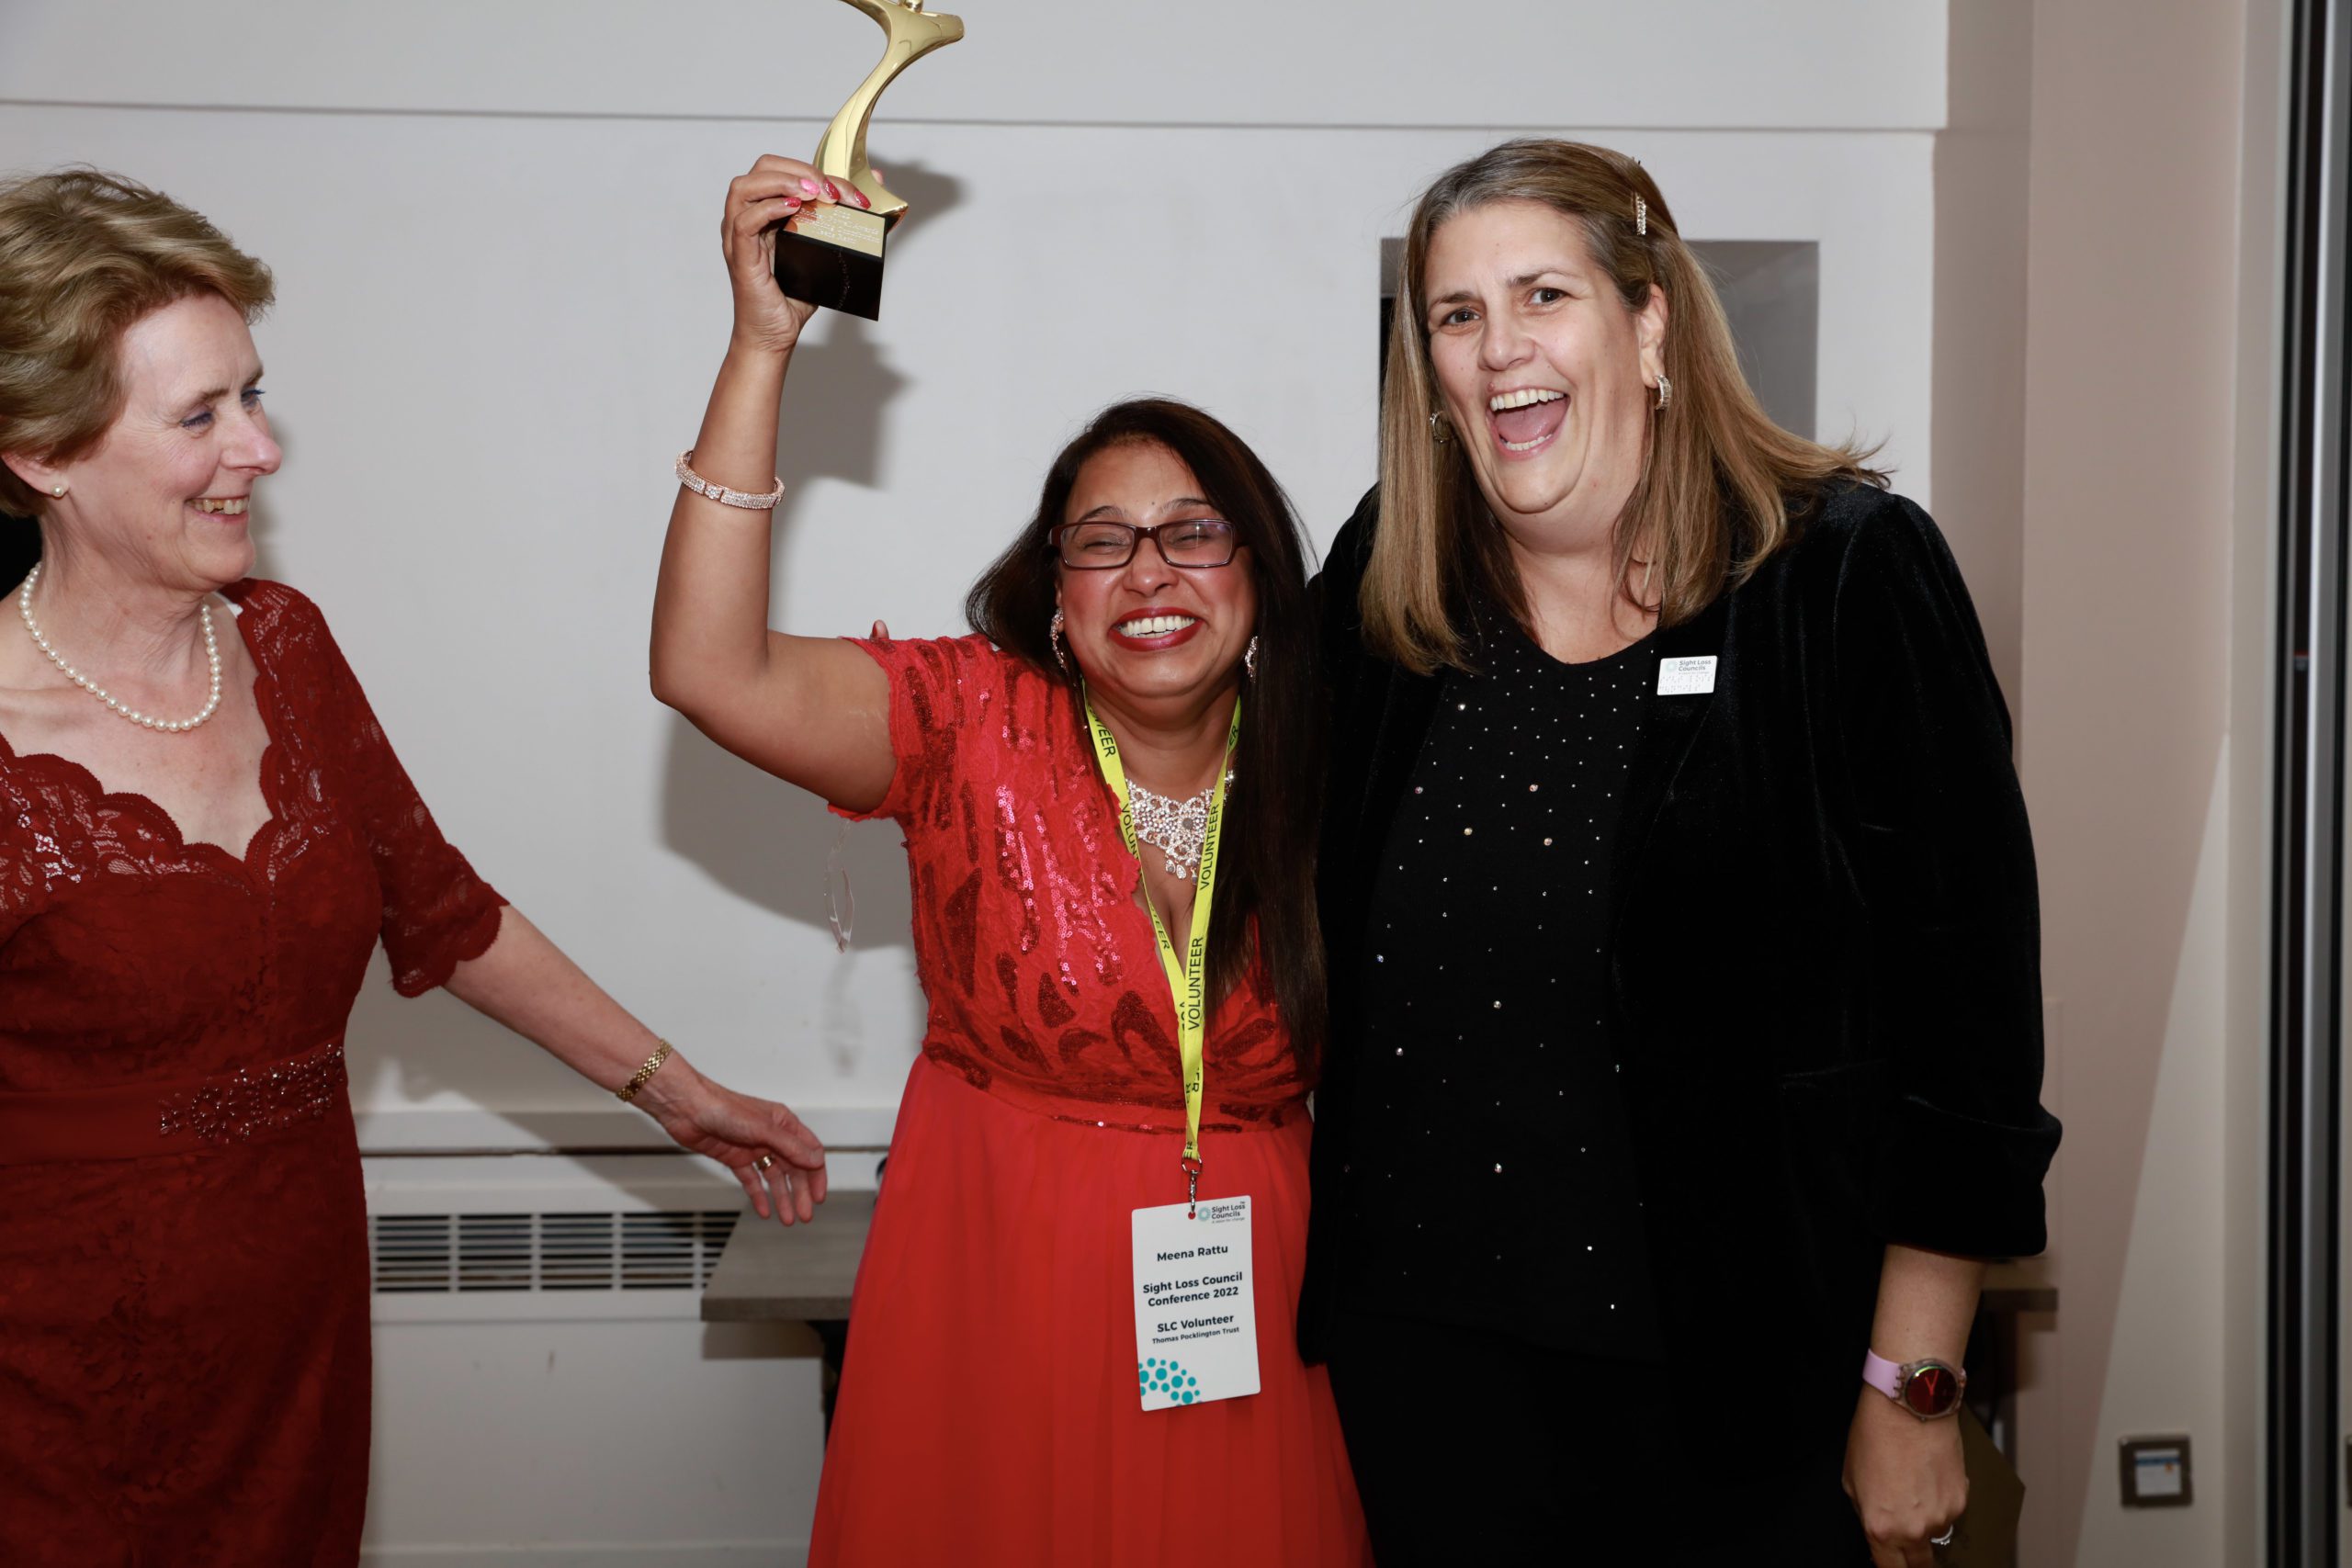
x=2156, y=1473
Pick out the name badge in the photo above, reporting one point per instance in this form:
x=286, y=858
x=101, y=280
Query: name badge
x=1686, y=677
x=1197, y=1307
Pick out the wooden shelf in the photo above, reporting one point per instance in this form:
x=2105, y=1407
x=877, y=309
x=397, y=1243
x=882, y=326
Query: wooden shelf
x=773, y=1273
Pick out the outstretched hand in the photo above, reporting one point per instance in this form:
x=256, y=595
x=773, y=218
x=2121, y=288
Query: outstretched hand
x=738, y=1131
x=757, y=203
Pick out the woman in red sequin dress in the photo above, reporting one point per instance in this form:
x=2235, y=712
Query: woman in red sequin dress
x=988, y=1410
x=188, y=905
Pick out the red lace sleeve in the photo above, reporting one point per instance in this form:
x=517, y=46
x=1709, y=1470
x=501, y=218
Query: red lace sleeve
x=940, y=689
x=437, y=912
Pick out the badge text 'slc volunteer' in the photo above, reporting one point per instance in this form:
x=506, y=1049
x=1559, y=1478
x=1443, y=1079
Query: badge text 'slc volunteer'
x=1196, y=1319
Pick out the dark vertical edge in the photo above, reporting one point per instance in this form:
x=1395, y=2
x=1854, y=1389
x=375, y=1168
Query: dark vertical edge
x=2303, y=1387
x=2282, y=1389
x=2323, y=482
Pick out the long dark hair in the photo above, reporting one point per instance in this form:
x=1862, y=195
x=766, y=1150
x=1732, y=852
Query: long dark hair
x=1266, y=866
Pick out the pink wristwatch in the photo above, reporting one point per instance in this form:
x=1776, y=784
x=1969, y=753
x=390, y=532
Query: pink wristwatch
x=1927, y=1389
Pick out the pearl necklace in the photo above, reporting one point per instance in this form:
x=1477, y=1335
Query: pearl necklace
x=174, y=727
x=1178, y=829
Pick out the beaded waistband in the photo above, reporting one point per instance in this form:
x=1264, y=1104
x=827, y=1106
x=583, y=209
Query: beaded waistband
x=134, y=1121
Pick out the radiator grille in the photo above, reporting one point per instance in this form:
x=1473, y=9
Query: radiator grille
x=660, y=1250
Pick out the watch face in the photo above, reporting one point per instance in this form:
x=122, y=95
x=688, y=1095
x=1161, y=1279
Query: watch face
x=1931, y=1390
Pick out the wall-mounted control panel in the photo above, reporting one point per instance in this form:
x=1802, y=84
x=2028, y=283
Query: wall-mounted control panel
x=2155, y=1472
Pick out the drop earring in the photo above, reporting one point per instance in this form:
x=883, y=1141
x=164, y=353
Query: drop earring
x=1249, y=658
x=1053, y=635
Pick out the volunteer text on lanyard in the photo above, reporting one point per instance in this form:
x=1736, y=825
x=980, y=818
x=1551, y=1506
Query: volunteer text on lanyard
x=1196, y=1322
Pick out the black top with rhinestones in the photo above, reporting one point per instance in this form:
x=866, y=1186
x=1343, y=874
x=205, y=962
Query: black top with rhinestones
x=1488, y=1180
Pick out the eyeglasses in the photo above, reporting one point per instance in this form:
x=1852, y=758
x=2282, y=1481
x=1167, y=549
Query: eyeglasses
x=1102, y=547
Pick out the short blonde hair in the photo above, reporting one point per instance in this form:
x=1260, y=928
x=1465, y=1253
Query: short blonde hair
x=84, y=254
x=1716, y=495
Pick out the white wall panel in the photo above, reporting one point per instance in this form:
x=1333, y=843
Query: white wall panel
x=1720, y=63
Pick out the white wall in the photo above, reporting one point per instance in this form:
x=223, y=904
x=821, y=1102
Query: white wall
x=1714, y=64
x=500, y=307
x=2149, y=446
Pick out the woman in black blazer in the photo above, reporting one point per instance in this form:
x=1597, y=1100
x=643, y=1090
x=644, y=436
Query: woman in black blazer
x=1685, y=1046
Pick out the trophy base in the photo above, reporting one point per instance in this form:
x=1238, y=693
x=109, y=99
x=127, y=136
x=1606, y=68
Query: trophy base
x=832, y=256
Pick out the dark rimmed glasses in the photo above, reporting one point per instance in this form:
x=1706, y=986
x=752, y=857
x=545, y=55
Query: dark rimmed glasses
x=1104, y=547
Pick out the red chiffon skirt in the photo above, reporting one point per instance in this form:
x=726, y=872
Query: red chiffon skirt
x=988, y=1412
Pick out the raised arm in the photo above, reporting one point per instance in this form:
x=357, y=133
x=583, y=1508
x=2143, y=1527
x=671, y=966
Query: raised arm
x=812, y=710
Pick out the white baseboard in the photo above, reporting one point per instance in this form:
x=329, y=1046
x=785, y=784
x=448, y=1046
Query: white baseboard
x=640, y=1555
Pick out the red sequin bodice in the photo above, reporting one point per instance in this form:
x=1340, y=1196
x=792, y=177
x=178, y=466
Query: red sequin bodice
x=1038, y=962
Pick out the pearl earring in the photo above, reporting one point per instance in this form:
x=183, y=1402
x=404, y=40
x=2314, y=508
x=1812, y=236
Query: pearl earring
x=57, y=489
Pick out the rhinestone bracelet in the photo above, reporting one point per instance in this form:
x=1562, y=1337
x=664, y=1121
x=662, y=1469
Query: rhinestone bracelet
x=627, y=1093
x=720, y=493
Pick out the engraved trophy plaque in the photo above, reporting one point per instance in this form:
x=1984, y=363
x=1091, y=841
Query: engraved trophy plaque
x=831, y=255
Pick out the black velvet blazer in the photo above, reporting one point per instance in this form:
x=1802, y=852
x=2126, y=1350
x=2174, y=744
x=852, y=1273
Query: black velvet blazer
x=1825, y=971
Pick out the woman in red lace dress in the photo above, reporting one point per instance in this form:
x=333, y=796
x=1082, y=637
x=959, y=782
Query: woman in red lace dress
x=992, y=1407
x=203, y=834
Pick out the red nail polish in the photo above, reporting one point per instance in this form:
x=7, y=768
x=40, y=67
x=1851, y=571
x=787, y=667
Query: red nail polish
x=832, y=190
x=809, y=186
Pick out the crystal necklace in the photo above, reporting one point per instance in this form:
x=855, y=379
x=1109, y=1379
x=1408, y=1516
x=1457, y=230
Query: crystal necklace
x=172, y=726
x=1178, y=829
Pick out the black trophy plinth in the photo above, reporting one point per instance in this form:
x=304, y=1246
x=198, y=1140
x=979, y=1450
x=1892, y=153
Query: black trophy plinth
x=831, y=256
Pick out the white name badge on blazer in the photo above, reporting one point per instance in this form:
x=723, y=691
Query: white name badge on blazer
x=1196, y=1310
x=1686, y=677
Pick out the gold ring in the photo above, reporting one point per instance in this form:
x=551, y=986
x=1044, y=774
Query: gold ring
x=763, y=1162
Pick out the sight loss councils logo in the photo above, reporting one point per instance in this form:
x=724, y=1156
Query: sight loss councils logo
x=1163, y=1383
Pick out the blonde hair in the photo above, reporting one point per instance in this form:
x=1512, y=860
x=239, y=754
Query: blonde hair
x=84, y=254
x=1721, y=482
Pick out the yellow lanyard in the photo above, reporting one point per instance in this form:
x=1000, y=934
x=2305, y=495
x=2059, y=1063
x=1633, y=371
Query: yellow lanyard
x=1188, y=977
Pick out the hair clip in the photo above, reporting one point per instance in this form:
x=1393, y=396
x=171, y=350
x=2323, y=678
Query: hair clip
x=1641, y=216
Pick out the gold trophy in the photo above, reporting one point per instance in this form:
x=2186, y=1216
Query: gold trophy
x=832, y=255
